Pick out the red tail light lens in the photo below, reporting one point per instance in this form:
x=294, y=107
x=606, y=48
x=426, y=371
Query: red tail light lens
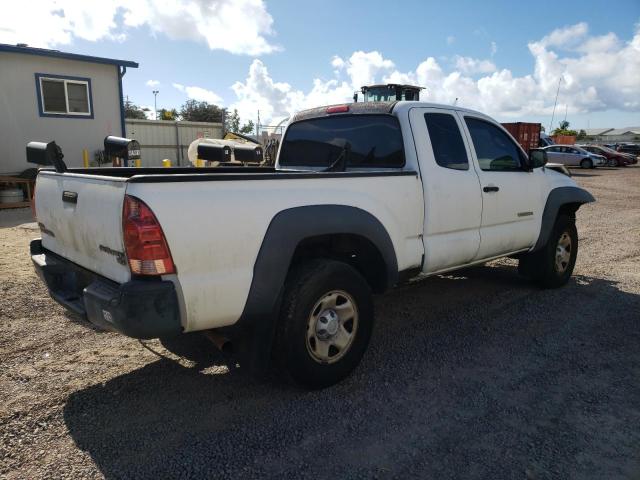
x=144, y=241
x=338, y=109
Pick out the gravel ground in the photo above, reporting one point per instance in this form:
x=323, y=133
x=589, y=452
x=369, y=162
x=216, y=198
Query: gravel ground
x=476, y=374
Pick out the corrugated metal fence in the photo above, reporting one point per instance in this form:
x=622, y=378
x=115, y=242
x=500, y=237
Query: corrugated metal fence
x=168, y=139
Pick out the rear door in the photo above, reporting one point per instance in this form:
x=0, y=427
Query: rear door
x=554, y=155
x=453, y=204
x=573, y=156
x=80, y=217
x=511, y=196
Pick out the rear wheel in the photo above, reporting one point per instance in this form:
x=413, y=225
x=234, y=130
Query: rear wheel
x=325, y=323
x=614, y=162
x=586, y=163
x=552, y=266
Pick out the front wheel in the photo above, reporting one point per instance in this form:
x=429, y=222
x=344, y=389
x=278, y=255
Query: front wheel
x=325, y=323
x=586, y=163
x=552, y=266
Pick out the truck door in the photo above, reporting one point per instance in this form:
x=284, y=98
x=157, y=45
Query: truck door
x=453, y=202
x=511, y=198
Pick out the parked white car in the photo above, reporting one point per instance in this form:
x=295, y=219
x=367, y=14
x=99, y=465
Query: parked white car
x=286, y=259
x=573, y=156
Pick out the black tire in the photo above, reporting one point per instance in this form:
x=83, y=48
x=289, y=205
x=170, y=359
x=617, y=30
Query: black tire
x=306, y=285
x=615, y=162
x=586, y=163
x=541, y=266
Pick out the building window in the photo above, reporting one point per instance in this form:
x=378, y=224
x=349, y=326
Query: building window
x=60, y=96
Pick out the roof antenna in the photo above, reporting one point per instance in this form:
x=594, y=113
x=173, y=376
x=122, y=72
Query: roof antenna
x=455, y=102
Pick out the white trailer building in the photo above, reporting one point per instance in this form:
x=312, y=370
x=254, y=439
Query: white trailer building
x=47, y=95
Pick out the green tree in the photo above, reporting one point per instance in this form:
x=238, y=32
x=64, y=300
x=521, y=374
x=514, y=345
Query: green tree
x=195, y=111
x=564, y=125
x=131, y=110
x=581, y=135
x=233, y=122
x=164, y=114
x=248, y=127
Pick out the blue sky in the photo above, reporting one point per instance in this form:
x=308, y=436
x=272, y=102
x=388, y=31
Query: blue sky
x=273, y=52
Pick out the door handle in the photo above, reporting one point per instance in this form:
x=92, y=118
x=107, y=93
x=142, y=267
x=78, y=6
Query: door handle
x=491, y=188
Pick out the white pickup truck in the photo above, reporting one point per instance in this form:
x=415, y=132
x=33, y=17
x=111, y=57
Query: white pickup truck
x=286, y=259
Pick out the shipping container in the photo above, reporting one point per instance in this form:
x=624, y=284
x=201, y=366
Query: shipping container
x=527, y=134
x=564, y=139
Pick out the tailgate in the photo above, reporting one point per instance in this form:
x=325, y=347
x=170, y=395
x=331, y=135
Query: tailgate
x=80, y=217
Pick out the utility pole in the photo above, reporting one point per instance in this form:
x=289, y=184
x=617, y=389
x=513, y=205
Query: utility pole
x=554, y=104
x=155, y=103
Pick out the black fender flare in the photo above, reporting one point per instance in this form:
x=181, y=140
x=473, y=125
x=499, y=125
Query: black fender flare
x=285, y=232
x=291, y=226
x=557, y=198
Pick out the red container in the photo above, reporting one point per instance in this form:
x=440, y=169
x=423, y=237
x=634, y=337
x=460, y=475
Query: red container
x=527, y=134
x=564, y=139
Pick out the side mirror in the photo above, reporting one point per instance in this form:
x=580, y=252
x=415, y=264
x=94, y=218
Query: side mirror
x=537, y=158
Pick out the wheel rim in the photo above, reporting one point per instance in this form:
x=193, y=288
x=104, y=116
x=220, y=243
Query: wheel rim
x=332, y=327
x=563, y=253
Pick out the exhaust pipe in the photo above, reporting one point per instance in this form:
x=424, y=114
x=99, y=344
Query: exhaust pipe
x=221, y=342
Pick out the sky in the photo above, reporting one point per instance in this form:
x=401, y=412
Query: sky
x=503, y=58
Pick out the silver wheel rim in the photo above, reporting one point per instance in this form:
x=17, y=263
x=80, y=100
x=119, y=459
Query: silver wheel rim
x=332, y=327
x=563, y=253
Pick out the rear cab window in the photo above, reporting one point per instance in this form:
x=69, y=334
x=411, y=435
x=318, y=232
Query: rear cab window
x=374, y=142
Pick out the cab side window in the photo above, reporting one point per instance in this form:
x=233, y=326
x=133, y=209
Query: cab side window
x=494, y=149
x=446, y=141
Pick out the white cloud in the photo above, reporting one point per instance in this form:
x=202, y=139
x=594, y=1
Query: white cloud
x=450, y=40
x=200, y=94
x=473, y=65
x=237, y=26
x=152, y=83
x=565, y=37
x=600, y=73
x=494, y=48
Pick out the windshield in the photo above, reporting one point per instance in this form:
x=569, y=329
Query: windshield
x=374, y=141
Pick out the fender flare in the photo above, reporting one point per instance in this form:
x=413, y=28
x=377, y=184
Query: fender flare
x=291, y=226
x=286, y=230
x=557, y=198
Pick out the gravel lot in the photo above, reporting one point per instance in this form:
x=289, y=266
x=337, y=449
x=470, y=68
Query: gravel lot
x=476, y=374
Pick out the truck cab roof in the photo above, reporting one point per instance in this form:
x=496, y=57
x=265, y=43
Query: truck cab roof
x=372, y=108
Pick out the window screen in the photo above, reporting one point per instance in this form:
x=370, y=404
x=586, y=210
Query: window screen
x=53, y=96
x=446, y=141
x=494, y=149
x=375, y=142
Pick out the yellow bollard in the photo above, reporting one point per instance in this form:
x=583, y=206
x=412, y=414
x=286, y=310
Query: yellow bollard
x=166, y=163
x=137, y=162
x=85, y=157
x=199, y=163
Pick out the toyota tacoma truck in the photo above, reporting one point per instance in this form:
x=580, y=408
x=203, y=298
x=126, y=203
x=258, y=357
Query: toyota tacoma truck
x=363, y=197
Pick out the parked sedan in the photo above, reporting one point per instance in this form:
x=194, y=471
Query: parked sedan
x=573, y=156
x=631, y=148
x=615, y=159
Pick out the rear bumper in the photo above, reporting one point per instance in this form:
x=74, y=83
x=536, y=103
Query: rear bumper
x=138, y=308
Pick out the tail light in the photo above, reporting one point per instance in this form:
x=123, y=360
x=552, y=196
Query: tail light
x=338, y=109
x=144, y=241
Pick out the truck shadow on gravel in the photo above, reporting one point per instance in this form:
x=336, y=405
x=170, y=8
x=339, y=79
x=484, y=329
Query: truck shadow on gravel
x=526, y=383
